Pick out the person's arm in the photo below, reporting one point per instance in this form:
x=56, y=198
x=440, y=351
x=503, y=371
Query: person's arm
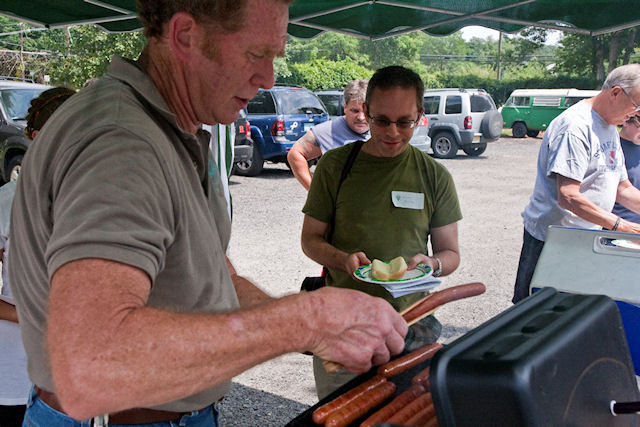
x=629, y=197
x=316, y=247
x=248, y=293
x=570, y=198
x=305, y=149
x=8, y=312
x=109, y=351
x=444, y=242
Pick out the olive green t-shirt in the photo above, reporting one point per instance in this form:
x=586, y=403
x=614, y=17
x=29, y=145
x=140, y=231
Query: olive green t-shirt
x=366, y=218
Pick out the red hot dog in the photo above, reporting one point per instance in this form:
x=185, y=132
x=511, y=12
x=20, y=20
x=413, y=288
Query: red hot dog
x=415, y=406
x=361, y=405
x=320, y=415
x=394, y=406
x=408, y=361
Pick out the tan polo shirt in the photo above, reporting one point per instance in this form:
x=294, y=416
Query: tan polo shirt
x=112, y=176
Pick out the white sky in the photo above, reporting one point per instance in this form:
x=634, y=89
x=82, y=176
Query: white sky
x=482, y=32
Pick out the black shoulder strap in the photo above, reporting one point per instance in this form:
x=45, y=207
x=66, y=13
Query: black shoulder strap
x=357, y=145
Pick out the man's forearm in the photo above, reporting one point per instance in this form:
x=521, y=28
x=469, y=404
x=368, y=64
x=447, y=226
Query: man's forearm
x=587, y=210
x=150, y=356
x=322, y=252
x=300, y=168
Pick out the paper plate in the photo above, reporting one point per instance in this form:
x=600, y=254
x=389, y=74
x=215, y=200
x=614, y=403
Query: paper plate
x=410, y=276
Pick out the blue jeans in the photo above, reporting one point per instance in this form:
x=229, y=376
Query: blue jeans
x=531, y=249
x=39, y=414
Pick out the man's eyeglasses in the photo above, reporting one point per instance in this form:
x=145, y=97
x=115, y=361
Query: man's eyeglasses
x=635, y=120
x=383, y=122
x=630, y=99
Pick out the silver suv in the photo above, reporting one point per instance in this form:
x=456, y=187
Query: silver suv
x=461, y=118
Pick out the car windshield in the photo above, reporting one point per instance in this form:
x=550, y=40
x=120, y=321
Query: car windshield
x=481, y=103
x=16, y=102
x=299, y=102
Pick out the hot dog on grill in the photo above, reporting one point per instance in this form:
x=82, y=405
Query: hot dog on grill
x=422, y=417
x=422, y=378
x=362, y=404
x=412, y=408
x=408, y=361
x=320, y=415
x=394, y=406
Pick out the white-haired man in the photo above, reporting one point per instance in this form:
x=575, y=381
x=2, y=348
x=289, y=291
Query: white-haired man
x=581, y=172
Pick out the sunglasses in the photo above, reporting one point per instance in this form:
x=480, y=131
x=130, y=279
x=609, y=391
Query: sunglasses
x=383, y=122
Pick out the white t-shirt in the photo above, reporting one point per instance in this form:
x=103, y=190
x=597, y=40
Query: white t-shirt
x=14, y=381
x=579, y=144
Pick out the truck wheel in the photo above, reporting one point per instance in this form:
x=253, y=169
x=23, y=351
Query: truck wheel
x=519, y=130
x=444, y=145
x=532, y=133
x=13, y=170
x=251, y=167
x=491, y=126
x=474, y=150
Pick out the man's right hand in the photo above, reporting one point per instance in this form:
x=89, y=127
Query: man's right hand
x=354, y=329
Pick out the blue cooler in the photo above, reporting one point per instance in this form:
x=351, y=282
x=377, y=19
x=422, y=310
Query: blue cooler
x=595, y=262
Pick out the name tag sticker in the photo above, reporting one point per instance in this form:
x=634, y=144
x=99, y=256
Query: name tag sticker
x=407, y=200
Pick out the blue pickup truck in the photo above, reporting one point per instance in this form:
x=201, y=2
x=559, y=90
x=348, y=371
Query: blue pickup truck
x=279, y=117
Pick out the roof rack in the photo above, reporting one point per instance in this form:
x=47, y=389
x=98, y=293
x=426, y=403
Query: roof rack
x=16, y=79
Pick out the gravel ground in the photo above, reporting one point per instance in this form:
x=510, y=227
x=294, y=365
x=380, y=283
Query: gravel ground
x=265, y=246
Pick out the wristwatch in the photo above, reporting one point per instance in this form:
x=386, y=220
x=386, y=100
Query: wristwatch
x=438, y=271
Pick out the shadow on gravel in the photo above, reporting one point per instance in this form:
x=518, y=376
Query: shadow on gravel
x=246, y=406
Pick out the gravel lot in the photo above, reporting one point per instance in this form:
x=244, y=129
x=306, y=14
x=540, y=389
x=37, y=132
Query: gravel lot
x=265, y=246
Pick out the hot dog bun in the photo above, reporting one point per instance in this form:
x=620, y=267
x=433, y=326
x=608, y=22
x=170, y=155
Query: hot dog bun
x=393, y=270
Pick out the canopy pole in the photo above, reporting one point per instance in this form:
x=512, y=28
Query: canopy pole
x=499, y=55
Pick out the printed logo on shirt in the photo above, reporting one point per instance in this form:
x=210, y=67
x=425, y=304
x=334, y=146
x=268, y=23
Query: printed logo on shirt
x=609, y=150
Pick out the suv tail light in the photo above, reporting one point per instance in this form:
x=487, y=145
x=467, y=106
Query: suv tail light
x=278, y=128
x=424, y=121
x=467, y=122
x=247, y=126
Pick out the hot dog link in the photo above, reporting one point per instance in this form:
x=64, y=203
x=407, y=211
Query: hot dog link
x=415, y=406
x=394, y=406
x=361, y=405
x=422, y=378
x=439, y=298
x=320, y=415
x=422, y=417
x=408, y=361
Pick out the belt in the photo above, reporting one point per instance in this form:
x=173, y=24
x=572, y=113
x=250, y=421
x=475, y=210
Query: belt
x=129, y=416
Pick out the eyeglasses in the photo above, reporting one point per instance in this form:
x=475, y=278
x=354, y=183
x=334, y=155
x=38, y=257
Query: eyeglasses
x=383, y=122
x=630, y=99
x=635, y=120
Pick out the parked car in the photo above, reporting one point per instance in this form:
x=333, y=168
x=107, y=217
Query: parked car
x=15, y=99
x=243, y=144
x=333, y=100
x=461, y=118
x=528, y=111
x=421, y=139
x=279, y=117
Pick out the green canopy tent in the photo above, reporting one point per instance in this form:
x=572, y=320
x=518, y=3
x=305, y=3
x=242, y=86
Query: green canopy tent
x=372, y=19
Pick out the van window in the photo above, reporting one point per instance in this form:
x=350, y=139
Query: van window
x=546, y=101
x=481, y=103
x=431, y=104
x=453, y=105
x=262, y=103
x=568, y=102
x=519, y=101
